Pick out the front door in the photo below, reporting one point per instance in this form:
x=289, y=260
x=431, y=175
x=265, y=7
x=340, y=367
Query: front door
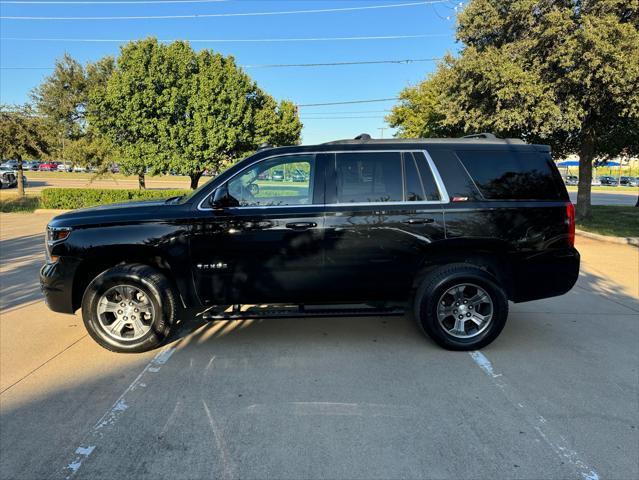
x=268, y=248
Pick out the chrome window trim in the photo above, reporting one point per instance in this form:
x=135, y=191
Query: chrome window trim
x=443, y=194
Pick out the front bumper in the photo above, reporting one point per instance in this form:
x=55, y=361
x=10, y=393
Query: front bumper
x=56, y=283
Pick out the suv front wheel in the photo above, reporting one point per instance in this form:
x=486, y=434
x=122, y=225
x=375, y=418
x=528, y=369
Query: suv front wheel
x=461, y=307
x=129, y=308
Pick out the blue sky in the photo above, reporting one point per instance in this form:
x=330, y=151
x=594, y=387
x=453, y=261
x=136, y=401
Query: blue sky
x=301, y=85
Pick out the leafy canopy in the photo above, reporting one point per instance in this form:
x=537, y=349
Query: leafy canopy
x=169, y=108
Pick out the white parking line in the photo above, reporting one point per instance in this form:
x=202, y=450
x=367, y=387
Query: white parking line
x=112, y=415
x=554, y=440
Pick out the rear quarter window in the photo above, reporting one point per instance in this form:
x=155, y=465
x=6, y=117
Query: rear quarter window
x=511, y=175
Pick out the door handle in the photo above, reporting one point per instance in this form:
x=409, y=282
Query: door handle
x=419, y=221
x=301, y=225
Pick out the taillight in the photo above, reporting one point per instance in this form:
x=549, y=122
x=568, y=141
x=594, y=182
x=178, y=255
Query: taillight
x=570, y=220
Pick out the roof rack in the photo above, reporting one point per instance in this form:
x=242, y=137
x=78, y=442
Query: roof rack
x=487, y=136
x=478, y=138
x=363, y=137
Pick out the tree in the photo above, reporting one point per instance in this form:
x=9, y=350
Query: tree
x=419, y=113
x=218, y=112
x=143, y=99
x=559, y=72
x=227, y=116
x=62, y=102
x=21, y=135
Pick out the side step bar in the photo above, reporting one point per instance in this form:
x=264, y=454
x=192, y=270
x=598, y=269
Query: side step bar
x=301, y=311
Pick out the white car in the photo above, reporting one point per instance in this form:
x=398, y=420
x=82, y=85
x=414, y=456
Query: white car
x=9, y=177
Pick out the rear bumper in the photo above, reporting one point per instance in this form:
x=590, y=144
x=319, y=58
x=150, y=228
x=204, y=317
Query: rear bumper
x=56, y=283
x=544, y=275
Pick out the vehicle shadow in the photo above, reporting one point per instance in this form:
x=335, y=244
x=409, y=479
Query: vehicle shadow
x=522, y=326
x=20, y=262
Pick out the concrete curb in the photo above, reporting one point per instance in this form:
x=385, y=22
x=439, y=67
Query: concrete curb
x=50, y=210
x=634, y=241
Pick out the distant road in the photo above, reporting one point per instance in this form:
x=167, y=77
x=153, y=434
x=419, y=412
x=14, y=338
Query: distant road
x=37, y=183
x=604, y=198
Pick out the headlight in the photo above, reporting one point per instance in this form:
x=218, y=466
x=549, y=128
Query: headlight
x=57, y=234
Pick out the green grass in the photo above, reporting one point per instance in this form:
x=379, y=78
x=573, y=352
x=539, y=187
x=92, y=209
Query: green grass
x=16, y=204
x=607, y=188
x=613, y=221
x=107, y=176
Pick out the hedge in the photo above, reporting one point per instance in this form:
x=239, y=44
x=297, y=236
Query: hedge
x=70, y=198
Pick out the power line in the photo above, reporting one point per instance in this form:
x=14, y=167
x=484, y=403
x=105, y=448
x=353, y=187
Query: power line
x=347, y=112
x=115, y=2
x=337, y=118
x=230, y=40
x=348, y=102
x=339, y=64
x=285, y=65
x=231, y=14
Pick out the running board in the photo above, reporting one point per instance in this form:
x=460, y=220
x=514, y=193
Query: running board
x=299, y=312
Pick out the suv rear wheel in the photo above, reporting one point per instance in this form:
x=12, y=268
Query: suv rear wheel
x=129, y=308
x=461, y=307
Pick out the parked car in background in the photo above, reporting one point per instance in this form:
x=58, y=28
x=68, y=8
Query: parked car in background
x=9, y=177
x=627, y=181
x=446, y=230
x=10, y=164
x=595, y=182
x=48, y=166
x=32, y=165
x=608, y=180
x=571, y=180
x=298, y=176
x=277, y=175
x=64, y=167
x=634, y=181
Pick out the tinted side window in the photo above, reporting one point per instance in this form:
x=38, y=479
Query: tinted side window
x=430, y=187
x=456, y=180
x=413, y=184
x=510, y=175
x=278, y=181
x=369, y=177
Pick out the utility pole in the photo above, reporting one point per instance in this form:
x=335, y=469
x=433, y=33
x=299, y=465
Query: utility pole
x=381, y=131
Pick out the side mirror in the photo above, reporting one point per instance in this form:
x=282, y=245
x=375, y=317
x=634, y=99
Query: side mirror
x=222, y=199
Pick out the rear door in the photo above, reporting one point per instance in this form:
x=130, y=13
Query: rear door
x=383, y=212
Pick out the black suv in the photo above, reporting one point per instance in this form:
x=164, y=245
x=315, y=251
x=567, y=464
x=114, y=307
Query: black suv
x=446, y=230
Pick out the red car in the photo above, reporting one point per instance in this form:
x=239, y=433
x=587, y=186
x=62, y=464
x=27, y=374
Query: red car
x=48, y=166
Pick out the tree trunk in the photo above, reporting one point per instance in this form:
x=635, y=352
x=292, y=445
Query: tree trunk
x=141, y=181
x=20, y=178
x=195, y=178
x=586, y=156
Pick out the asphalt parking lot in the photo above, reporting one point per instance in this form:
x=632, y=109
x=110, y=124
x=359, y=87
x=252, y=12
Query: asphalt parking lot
x=556, y=396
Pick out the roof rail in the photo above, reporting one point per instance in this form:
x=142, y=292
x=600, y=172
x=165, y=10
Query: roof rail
x=487, y=136
x=363, y=137
x=264, y=146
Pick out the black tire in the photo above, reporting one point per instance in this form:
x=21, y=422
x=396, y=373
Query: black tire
x=437, y=283
x=157, y=289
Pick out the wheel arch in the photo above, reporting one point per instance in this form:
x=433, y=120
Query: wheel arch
x=106, y=258
x=487, y=254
